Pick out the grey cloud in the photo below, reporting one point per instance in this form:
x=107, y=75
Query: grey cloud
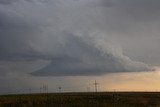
x=15, y=36
x=63, y=31
x=139, y=10
x=83, y=57
x=6, y=1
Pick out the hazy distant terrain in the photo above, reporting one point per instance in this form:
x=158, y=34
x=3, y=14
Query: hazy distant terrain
x=103, y=99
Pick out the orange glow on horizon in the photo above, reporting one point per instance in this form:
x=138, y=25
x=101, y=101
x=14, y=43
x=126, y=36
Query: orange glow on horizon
x=134, y=81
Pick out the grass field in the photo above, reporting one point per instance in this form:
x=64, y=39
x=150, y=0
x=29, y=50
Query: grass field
x=99, y=99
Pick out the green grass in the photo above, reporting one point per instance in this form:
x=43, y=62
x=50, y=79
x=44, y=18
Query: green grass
x=103, y=99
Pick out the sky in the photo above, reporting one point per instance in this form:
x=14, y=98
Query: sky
x=72, y=43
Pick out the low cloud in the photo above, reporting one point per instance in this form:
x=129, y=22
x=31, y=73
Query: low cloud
x=83, y=55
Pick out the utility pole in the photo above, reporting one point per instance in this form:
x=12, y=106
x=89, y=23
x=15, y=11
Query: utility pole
x=40, y=90
x=95, y=84
x=45, y=88
x=59, y=89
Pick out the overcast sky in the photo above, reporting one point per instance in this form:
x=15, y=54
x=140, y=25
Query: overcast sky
x=65, y=39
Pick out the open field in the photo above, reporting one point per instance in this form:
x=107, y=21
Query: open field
x=99, y=99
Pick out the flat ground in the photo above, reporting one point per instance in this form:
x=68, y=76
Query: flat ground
x=99, y=99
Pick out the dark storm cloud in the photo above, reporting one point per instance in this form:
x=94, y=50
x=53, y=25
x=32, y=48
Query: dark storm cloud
x=14, y=37
x=78, y=36
x=6, y=1
x=141, y=9
x=80, y=58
